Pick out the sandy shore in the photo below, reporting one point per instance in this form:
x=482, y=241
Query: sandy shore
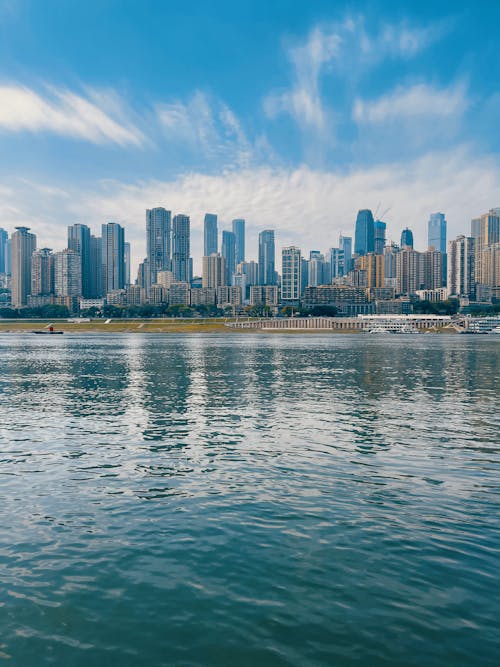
x=143, y=326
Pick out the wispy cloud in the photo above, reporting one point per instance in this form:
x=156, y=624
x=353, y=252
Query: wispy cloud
x=66, y=113
x=209, y=128
x=346, y=48
x=420, y=100
x=456, y=182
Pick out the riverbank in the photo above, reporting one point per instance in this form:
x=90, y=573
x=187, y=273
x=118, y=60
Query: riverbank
x=161, y=326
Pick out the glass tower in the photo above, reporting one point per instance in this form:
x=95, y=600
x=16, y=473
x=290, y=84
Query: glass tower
x=210, y=234
x=267, y=271
x=158, y=228
x=181, y=248
x=364, y=238
x=239, y=233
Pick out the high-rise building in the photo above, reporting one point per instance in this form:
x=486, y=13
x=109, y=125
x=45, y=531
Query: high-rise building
x=213, y=271
x=461, y=257
x=113, y=256
x=431, y=269
x=127, y=260
x=290, y=274
x=374, y=266
x=316, y=269
x=390, y=254
x=407, y=271
x=239, y=235
x=267, y=270
x=345, y=244
x=8, y=257
x=181, y=248
x=336, y=261
x=4, y=237
x=250, y=270
x=210, y=245
x=364, y=238
x=42, y=272
x=486, y=232
x=379, y=228
x=96, y=279
x=68, y=273
x=490, y=272
x=406, y=238
x=23, y=245
x=437, y=239
x=229, y=254
x=79, y=241
x=158, y=228
x=437, y=232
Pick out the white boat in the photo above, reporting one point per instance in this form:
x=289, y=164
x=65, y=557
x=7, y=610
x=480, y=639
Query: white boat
x=496, y=330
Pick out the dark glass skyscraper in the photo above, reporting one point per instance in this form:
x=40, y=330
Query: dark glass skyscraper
x=79, y=241
x=113, y=256
x=3, y=250
x=210, y=244
x=380, y=228
x=229, y=254
x=345, y=244
x=267, y=271
x=364, y=239
x=406, y=238
x=437, y=239
x=96, y=284
x=239, y=233
x=181, y=248
x=158, y=227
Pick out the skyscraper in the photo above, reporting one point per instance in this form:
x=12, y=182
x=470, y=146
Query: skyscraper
x=158, y=228
x=486, y=232
x=290, y=274
x=181, y=248
x=316, y=269
x=461, y=258
x=437, y=239
x=79, y=241
x=406, y=238
x=96, y=278
x=345, y=244
x=380, y=228
x=42, y=272
x=127, y=259
x=431, y=269
x=67, y=273
x=3, y=250
x=267, y=271
x=23, y=245
x=239, y=233
x=407, y=271
x=210, y=244
x=229, y=254
x=364, y=240
x=113, y=256
x=336, y=261
x=213, y=271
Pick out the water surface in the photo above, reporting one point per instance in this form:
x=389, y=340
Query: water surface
x=240, y=500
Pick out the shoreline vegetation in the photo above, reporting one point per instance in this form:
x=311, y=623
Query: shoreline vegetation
x=167, y=325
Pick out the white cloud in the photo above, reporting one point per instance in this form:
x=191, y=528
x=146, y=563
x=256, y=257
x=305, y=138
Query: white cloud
x=208, y=128
x=306, y=207
x=409, y=103
x=63, y=112
x=346, y=48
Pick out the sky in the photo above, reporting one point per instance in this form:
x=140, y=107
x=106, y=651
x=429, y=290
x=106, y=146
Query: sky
x=292, y=115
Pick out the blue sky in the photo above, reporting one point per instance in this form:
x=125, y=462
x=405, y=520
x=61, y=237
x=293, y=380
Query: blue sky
x=292, y=115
